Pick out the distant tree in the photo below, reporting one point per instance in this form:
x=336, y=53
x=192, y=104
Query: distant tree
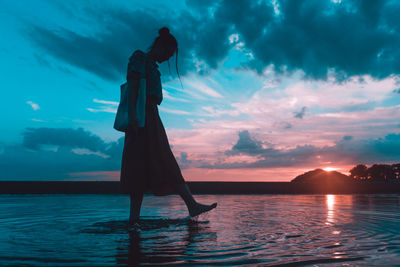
x=321, y=177
x=359, y=172
x=375, y=173
x=389, y=173
x=381, y=172
x=396, y=171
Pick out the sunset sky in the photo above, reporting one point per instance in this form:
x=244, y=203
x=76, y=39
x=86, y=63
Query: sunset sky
x=271, y=89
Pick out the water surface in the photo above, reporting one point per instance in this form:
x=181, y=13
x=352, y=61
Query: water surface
x=91, y=230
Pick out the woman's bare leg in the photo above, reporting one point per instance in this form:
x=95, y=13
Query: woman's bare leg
x=136, y=204
x=192, y=205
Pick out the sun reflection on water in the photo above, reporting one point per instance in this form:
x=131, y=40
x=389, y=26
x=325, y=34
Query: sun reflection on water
x=330, y=205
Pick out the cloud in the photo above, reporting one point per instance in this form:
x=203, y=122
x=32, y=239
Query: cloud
x=318, y=37
x=108, y=106
x=183, y=160
x=300, y=114
x=347, y=138
x=113, y=103
x=347, y=37
x=34, y=138
x=348, y=150
x=360, y=111
x=34, y=106
x=85, y=151
x=19, y=163
x=56, y=153
x=105, y=52
x=201, y=87
x=246, y=145
x=351, y=38
x=167, y=95
x=122, y=30
x=37, y=120
x=173, y=111
x=282, y=125
x=363, y=110
x=103, y=109
x=49, y=153
x=64, y=154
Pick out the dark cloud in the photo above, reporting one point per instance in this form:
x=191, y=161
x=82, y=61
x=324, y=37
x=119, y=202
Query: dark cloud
x=316, y=36
x=55, y=153
x=348, y=150
x=347, y=138
x=184, y=157
x=353, y=37
x=67, y=137
x=300, y=114
x=19, y=163
x=105, y=53
x=86, y=152
x=50, y=153
x=386, y=147
x=183, y=160
x=246, y=145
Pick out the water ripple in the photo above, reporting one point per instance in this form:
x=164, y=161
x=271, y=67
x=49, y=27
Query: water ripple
x=268, y=230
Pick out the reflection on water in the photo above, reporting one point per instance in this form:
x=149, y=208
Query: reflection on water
x=330, y=206
x=92, y=230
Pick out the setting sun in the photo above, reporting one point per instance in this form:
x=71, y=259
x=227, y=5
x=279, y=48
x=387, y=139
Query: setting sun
x=328, y=169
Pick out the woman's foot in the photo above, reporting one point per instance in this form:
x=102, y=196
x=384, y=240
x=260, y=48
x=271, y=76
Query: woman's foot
x=134, y=225
x=133, y=221
x=200, y=208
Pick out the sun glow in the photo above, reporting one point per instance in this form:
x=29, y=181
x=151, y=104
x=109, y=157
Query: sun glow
x=328, y=169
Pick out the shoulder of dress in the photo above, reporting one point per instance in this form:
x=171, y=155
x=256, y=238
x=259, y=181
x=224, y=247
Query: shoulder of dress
x=137, y=62
x=138, y=55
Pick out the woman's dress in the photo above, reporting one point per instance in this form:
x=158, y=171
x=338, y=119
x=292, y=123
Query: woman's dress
x=148, y=164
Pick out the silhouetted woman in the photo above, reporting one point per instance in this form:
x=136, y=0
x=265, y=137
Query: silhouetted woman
x=148, y=163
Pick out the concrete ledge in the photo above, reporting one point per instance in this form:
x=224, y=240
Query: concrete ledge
x=113, y=187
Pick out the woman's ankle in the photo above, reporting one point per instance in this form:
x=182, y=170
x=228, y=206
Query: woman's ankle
x=192, y=206
x=201, y=208
x=134, y=217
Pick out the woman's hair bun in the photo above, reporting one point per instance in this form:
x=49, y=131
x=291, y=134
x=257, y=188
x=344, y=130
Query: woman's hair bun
x=164, y=31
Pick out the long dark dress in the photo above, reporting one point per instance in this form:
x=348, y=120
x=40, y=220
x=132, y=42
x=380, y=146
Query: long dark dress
x=148, y=164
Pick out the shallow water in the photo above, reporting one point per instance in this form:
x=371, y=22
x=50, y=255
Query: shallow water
x=91, y=230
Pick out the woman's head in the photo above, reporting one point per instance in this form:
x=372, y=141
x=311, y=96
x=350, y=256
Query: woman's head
x=164, y=46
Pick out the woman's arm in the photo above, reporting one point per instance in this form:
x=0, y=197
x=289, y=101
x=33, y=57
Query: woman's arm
x=137, y=99
x=136, y=78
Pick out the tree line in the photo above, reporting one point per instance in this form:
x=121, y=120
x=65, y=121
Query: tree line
x=377, y=172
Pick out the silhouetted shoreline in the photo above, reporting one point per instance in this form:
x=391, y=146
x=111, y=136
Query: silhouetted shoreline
x=113, y=187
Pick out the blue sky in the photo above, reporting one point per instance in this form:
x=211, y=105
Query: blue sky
x=271, y=88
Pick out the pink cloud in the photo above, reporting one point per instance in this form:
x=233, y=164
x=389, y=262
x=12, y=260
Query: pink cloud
x=270, y=118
